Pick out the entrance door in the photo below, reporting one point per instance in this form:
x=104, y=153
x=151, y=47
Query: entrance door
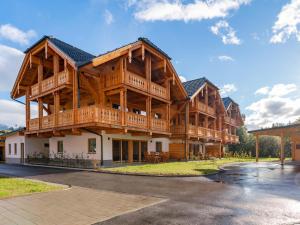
x=136, y=151
x=144, y=149
x=1, y=154
x=120, y=150
x=22, y=153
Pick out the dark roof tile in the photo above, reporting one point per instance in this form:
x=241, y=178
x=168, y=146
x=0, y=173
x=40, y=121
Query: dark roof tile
x=192, y=86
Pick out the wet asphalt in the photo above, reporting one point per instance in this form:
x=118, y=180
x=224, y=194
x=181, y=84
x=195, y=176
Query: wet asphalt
x=251, y=193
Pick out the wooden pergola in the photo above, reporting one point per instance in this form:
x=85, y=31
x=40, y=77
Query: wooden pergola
x=292, y=131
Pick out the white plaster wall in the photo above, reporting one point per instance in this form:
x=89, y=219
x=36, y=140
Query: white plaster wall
x=15, y=138
x=36, y=145
x=76, y=145
x=152, y=144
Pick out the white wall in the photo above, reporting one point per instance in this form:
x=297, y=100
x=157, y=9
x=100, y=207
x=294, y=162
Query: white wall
x=15, y=138
x=152, y=144
x=76, y=145
x=36, y=145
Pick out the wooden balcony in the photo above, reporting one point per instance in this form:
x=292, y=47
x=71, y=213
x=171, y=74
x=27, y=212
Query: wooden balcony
x=50, y=83
x=138, y=82
x=205, y=109
x=95, y=114
x=199, y=132
x=230, y=121
x=229, y=138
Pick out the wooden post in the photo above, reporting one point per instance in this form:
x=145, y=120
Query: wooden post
x=282, y=149
x=27, y=109
x=168, y=116
x=122, y=61
x=148, y=111
x=187, y=115
x=56, y=107
x=40, y=76
x=75, y=95
x=220, y=150
x=293, y=147
x=55, y=69
x=40, y=109
x=257, y=147
x=206, y=98
x=130, y=151
x=148, y=71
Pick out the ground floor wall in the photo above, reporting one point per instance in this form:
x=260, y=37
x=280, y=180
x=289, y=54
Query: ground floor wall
x=14, y=149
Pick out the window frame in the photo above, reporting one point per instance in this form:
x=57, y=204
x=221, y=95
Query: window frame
x=89, y=146
x=158, y=143
x=9, y=149
x=60, y=151
x=15, y=148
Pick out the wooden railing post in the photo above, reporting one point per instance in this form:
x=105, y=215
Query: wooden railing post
x=56, y=108
x=40, y=76
x=40, y=112
x=27, y=109
x=75, y=95
x=148, y=111
x=148, y=71
x=55, y=69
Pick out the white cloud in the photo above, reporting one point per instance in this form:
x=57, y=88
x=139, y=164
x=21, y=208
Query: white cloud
x=182, y=78
x=13, y=113
x=9, y=32
x=278, y=90
x=10, y=62
x=226, y=32
x=274, y=107
x=171, y=10
x=227, y=88
x=287, y=23
x=108, y=17
x=262, y=91
x=225, y=58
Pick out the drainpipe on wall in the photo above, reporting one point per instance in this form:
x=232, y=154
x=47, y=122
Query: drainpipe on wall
x=101, y=146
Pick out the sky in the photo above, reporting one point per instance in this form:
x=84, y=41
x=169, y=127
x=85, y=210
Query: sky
x=249, y=48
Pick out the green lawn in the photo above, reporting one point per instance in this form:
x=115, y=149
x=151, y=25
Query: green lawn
x=183, y=168
x=10, y=187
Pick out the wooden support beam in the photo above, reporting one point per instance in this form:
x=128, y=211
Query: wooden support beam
x=75, y=95
x=256, y=147
x=27, y=108
x=130, y=151
x=187, y=117
x=148, y=111
x=40, y=76
x=282, y=148
x=40, y=112
x=56, y=107
x=220, y=150
x=148, y=69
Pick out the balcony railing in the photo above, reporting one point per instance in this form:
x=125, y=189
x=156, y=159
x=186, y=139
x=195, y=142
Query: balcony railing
x=195, y=131
x=159, y=125
x=138, y=82
x=229, y=138
x=136, y=120
x=48, y=121
x=50, y=83
x=34, y=124
x=158, y=90
x=205, y=108
x=95, y=114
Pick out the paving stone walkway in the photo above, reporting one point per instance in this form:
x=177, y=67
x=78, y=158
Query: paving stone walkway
x=74, y=206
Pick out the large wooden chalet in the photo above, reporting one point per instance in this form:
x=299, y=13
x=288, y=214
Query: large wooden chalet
x=120, y=105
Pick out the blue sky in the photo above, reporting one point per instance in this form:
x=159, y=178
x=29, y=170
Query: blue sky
x=259, y=49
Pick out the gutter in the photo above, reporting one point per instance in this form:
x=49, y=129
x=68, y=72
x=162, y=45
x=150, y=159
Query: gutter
x=101, y=146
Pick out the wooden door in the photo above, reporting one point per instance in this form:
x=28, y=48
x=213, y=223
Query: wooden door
x=22, y=153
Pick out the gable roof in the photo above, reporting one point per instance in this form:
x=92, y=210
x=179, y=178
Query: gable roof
x=227, y=101
x=192, y=86
x=21, y=129
x=77, y=55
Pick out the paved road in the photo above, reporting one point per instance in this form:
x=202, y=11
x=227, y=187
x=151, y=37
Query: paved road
x=263, y=193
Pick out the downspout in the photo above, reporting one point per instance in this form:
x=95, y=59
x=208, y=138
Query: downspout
x=101, y=145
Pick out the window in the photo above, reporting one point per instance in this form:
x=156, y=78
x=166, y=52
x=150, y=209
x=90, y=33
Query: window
x=158, y=146
x=60, y=147
x=16, y=148
x=9, y=149
x=92, y=145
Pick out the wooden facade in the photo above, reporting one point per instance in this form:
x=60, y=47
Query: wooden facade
x=127, y=90
x=133, y=89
